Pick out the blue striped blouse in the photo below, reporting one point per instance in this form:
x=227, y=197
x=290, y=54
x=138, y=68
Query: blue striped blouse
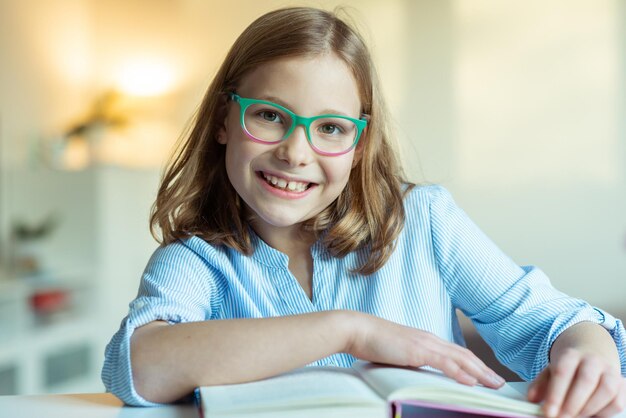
x=442, y=262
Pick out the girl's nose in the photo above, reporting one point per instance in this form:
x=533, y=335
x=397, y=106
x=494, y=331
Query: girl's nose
x=295, y=150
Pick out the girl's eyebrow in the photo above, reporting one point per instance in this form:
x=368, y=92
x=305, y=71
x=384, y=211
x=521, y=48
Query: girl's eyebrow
x=274, y=99
x=277, y=100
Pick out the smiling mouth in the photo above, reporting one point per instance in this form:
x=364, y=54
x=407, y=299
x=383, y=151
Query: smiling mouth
x=283, y=184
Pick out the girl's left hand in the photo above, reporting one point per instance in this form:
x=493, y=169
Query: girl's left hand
x=579, y=384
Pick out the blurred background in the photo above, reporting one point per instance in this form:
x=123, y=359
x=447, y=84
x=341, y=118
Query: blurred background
x=517, y=107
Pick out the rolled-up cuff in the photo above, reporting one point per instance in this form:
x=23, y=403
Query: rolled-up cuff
x=117, y=372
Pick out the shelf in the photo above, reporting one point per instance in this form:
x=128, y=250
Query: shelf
x=50, y=338
x=29, y=303
x=42, y=338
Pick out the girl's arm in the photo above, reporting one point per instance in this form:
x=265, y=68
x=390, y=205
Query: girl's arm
x=216, y=352
x=583, y=377
x=188, y=355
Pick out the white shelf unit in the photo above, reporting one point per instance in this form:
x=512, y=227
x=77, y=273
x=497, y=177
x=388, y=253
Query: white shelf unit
x=104, y=245
x=47, y=355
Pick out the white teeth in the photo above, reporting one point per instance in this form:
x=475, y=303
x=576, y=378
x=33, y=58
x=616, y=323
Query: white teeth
x=293, y=186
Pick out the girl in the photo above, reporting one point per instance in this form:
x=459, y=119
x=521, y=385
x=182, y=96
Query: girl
x=289, y=238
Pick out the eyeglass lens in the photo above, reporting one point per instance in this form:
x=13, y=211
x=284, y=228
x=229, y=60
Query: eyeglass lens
x=270, y=124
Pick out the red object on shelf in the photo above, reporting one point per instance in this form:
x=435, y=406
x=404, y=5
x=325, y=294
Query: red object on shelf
x=49, y=300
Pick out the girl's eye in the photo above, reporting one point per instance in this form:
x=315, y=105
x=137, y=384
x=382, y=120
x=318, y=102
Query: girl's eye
x=329, y=129
x=270, y=116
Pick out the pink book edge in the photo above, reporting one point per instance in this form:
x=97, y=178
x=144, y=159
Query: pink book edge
x=395, y=409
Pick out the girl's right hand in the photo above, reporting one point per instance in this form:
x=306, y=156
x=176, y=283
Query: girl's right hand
x=381, y=341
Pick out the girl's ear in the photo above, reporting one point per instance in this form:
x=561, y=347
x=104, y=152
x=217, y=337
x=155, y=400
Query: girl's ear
x=358, y=151
x=222, y=136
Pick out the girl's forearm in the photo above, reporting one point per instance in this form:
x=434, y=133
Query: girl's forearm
x=230, y=351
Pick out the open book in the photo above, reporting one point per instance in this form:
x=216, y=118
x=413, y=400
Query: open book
x=365, y=390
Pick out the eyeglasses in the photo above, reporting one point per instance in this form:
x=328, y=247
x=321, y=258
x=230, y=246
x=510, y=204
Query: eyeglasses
x=270, y=123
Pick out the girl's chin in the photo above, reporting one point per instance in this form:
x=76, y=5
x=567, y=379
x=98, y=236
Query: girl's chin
x=269, y=222
x=268, y=219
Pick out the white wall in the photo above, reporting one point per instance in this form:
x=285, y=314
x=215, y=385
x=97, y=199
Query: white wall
x=519, y=110
x=540, y=156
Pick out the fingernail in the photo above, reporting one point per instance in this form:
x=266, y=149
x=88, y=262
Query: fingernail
x=551, y=410
x=497, y=380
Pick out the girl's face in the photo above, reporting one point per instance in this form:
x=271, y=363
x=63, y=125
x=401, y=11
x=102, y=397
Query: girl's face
x=308, y=86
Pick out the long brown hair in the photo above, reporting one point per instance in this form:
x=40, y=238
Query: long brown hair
x=196, y=197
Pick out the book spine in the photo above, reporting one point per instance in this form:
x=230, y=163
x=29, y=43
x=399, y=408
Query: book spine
x=198, y=401
x=413, y=406
x=395, y=409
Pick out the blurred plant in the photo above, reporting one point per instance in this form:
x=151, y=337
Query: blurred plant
x=103, y=113
x=23, y=231
x=81, y=143
x=27, y=251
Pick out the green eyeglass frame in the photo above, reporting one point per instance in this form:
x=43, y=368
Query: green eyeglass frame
x=244, y=103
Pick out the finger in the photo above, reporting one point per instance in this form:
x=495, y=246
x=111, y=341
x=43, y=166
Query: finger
x=583, y=388
x=537, y=390
x=481, y=367
x=617, y=405
x=561, y=376
x=477, y=368
x=454, y=361
x=464, y=366
x=485, y=375
x=453, y=369
x=607, y=390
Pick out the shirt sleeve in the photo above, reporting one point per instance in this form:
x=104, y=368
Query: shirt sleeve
x=177, y=286
x=514, y=308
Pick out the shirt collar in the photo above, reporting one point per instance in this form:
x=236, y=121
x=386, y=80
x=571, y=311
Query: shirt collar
x=271, y=257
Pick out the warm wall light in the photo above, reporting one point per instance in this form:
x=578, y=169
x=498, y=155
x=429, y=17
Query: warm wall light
x=146, y=77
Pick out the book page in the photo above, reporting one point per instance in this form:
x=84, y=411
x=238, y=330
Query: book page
x=394, y=383
x=310, y=387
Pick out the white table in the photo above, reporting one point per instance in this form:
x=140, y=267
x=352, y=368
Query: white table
x=96, y=405
x=105, y=405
